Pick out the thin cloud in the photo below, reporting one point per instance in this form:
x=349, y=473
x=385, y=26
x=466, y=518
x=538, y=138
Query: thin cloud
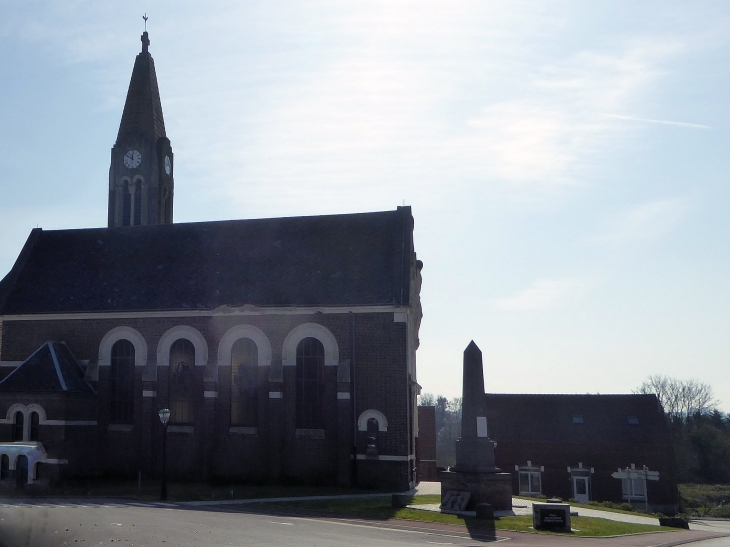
x=646, y=222
x=543, y=294
x=662, y=122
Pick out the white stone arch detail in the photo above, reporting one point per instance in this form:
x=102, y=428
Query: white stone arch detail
x=10, y=419
x=34, y=407
x=362, y=421
x=244, y=331
x=314, y=330
x=175, y=333
x=26, y=411
x=17, y=407
x=123, y=333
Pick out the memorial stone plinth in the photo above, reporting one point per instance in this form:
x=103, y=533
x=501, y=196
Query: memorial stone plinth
x=475, y=471
x=551, y=516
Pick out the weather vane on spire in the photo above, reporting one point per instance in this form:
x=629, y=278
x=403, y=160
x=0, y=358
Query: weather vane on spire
x=145, y=36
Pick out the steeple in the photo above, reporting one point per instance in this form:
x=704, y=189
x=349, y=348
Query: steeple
x=141, y=173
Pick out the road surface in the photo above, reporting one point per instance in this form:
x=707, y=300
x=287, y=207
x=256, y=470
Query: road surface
x=50, y=523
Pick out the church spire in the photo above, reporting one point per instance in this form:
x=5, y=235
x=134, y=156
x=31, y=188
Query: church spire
x=143, y=108
x=141, y=171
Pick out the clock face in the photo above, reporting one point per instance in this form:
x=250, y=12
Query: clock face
x=168, y=165
x=132, y=159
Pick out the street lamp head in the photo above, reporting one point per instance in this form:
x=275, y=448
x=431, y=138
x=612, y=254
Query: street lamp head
x=164, y=416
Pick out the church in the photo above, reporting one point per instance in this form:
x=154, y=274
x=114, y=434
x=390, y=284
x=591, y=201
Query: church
x=284, y=348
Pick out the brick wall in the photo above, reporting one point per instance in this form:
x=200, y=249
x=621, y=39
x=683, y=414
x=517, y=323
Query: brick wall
x=426, y=443
x=274, y=451
x=603, y=458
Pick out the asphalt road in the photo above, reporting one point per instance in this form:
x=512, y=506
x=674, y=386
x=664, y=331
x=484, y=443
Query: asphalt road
x=124, y=525
x=49, y=524
x=712, y=526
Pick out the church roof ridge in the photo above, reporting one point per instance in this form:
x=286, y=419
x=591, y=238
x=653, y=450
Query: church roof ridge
x=552, y=418
x=201, y=223
x=143, y=108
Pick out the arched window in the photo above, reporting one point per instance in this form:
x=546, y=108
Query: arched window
x=181, y=384
x=372, y=437
x=310, y=384
x=244, y=383
x=132, y=197
x=127, y=201
x=34, y=426
x=373, y=430
x=18, y=426
x=164, y=213
x=121, y=385
x=4, y=467
x=137, y=202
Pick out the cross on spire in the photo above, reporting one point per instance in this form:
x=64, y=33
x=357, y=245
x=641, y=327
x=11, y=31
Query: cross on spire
x=145, y=36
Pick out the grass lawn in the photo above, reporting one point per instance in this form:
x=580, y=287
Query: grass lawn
x=637, y=512
x=380, y=508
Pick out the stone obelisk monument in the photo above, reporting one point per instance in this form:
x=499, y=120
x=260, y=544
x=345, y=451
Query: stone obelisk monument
x=475, y=471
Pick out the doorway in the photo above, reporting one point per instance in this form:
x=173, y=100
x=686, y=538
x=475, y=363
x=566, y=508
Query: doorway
x=581, y=489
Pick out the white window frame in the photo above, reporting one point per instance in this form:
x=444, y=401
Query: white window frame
x=530, y=472
x=634, y=489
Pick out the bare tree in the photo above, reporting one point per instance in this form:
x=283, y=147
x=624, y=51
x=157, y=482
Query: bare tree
x=427, y=399
x=680, y=398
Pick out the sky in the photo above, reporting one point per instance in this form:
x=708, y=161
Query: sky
x=566, y=162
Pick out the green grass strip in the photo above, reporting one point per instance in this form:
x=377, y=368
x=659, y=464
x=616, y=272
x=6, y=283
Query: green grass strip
x=380, y=508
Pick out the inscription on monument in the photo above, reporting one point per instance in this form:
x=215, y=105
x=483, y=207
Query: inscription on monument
x=455, y=500
x=482, y=427
x=551, y=516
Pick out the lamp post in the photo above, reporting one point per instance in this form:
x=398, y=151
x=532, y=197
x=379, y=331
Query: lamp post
x=164, y=415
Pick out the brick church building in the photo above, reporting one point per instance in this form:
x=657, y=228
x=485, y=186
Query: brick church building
x=284, y=348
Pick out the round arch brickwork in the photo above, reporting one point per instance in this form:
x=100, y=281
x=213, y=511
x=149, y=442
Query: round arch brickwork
x=175, y=333
x=313, y=330
x=123, y=333
x=244, y=331
x=362, y=421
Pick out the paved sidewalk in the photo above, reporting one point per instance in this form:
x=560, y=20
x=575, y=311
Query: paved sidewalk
x=424, y=488
x=427, y=489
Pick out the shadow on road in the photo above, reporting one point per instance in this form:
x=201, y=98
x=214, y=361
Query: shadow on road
x=379, y=515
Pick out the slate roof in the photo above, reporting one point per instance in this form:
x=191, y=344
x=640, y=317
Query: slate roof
x=52, y=368
x=337, y=260
x=549, y=419
x=143, y=108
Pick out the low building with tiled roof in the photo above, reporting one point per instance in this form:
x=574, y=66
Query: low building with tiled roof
x=570, y=446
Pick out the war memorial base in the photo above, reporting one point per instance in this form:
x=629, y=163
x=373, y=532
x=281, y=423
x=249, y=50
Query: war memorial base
x=493, y=488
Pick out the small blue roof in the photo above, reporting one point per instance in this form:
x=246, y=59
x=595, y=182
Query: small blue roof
x=51, y=368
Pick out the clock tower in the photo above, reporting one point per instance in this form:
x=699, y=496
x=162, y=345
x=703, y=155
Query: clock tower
x=141, y=173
